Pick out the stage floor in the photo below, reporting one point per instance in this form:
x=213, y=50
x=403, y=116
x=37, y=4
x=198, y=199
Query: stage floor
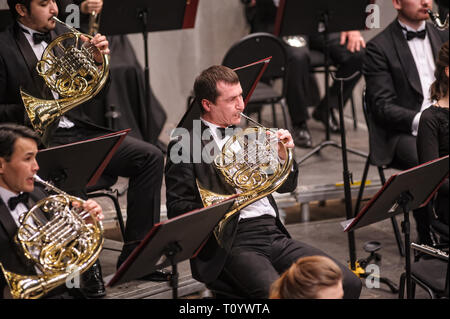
x=326, y=235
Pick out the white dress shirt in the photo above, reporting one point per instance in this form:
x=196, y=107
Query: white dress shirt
x=38, y=50
x=422, y=53
x=258, y=208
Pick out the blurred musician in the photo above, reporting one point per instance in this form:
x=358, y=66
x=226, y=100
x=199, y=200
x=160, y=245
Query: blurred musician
x=126, y=96
x=432, y=136
x=399, y=69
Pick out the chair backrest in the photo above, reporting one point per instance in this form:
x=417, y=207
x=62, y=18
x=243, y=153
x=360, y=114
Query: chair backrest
x=376, y=147
x=103, y=183
x=257, y=46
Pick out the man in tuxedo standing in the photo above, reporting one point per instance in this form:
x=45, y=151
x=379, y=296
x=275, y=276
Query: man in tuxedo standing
x=399, y=69
x=255, y=247
x=18, y=149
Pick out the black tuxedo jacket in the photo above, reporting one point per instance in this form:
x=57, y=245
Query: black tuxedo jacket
x=11, y=256
x=393, y=90
x=183, y=196
x=18, y=70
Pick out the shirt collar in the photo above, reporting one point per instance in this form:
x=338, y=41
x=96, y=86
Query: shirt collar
x=209, y=124
x=30, y=31
x=408, y=28
x=212, y=127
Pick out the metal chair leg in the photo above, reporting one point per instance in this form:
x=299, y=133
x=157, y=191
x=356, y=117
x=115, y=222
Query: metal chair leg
x=363, y=185
x=284, y=109
x=355, y=120
x=401, y=286
x=274, y=116
x=398, y=236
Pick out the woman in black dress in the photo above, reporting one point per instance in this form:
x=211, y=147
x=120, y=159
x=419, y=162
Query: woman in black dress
x=432, y=136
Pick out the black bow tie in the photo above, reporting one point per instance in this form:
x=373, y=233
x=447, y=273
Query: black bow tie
x=14, y=201
x=225, y=131
x=39, y=37
x=419, y=34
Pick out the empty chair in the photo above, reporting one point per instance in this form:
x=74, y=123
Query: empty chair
x=255, y=47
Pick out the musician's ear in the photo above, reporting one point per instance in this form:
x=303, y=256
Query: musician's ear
x=2, y=164
x=397, y=4
x=21, y=9
x=206, y=104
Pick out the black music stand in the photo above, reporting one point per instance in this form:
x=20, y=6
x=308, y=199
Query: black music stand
x=249, y=76
x=72, y=167
x=321, y=17
x=143, y=16
x=171, y=242
x=402, y=193
x=5, y=19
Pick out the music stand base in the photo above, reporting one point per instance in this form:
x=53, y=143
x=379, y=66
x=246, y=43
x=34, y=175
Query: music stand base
x=326, y=143
x=383, y=280
x=170, y=252
x=361, y=273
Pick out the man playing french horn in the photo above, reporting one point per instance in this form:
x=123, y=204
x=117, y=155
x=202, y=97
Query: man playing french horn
x=253, y=247
x=18, y=166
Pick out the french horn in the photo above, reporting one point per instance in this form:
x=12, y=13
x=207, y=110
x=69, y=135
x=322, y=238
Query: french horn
x=249, y=162
x=71, y=240
x=69, y=68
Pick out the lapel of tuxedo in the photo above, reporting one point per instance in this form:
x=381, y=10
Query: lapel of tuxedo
x=6, y=220
x=30, y=59
x=405, y=56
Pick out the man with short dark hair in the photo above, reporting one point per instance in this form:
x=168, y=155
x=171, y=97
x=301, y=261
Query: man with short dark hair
x=18, y=149
x=254, y=246
x=399, y=69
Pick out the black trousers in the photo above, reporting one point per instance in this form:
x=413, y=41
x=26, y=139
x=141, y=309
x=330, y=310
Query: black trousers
x=261, y=252
x=301, y=87
x=143, y=164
